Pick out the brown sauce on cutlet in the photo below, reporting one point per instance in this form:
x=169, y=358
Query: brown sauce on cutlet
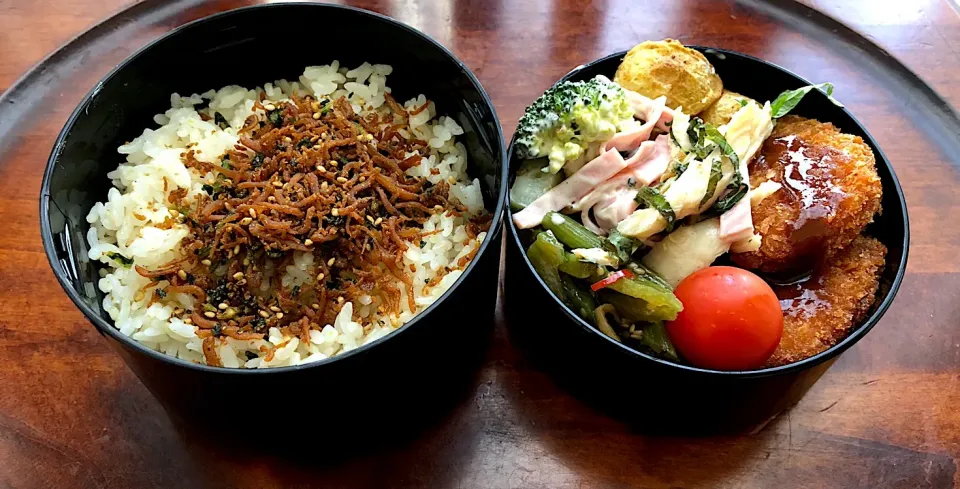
x=806, y=178
x=801, y=296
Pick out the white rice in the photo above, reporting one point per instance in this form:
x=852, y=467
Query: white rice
x=126, y=222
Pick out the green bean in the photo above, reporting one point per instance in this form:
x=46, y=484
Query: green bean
x=655, y=337
x=630, y=308
x=655, y=300
x=570, y=232
x=546, y=255
x=573, y=266
x=578, y=297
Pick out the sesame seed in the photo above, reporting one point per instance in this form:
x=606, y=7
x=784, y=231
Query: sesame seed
x=236, y=249
x=323, y=185
x=206, y=262
x=341, y=179
x=316, y=115
x=279, y=315
x=174, y=213
x=253, y=213
x=369, y=218
x=269, y=107
x=245, y=221
x=321, y=169
x=320, y=277
x=238, y=275
x=274, y=308
x=287, y=139
x=271, y=199
x=264, y=314
x=378, y=221
x=246, y=262
x=315, y=139
x=335, y=212
x=340, y=299
x=182, y=274
x=223, y=306
x=323, y=135
x=331, y=261
x=452, y=180
x=315, y=306
x=363, y=178
x=188, y=321
x=210, y=314
x=307, y=242
x=276, y=183
x=333, y=163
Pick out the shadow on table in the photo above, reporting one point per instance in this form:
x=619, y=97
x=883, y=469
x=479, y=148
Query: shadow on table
x=304, y=443
x=629, y=397
x=609, y=427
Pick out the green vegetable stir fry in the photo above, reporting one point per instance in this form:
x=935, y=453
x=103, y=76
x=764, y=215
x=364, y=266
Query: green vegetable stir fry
x=639, y=298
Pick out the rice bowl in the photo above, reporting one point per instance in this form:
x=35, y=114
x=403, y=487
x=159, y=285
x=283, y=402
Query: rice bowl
x=139, y=228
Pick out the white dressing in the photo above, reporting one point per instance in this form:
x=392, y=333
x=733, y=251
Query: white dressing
x=686, y=250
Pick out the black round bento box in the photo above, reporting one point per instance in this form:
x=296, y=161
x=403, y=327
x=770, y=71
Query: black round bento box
x=660, y=396
x=397, y=374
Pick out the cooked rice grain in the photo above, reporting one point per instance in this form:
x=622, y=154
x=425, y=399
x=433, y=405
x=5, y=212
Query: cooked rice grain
x=135, y=220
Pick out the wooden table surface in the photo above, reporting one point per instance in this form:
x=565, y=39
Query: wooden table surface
x=886, y=415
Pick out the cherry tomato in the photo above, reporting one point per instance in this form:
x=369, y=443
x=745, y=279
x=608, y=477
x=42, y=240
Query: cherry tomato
x=610, y=279
x=731, y=319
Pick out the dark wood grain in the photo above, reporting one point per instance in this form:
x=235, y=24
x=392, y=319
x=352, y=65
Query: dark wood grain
x=886, y=415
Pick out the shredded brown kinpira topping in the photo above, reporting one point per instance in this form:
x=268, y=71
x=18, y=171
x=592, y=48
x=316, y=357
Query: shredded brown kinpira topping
x=310, y=176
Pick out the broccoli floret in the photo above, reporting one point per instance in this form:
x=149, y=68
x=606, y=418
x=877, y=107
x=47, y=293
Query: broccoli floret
x=570, y=115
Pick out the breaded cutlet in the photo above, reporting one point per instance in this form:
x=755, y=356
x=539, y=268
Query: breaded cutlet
x=830, y=192
x=820, y=312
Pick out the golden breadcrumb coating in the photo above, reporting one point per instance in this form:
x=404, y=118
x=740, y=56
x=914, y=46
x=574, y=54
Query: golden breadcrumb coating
x=820, y=312
x=830, y=192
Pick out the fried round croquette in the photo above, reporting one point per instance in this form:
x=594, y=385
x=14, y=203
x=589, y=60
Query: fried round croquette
x=668, y=68
x=830, y=192
x=820, y=311
x=721, y=111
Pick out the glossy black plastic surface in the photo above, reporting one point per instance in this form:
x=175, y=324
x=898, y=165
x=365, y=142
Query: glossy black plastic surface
x=240, y=47
x=640, y=387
